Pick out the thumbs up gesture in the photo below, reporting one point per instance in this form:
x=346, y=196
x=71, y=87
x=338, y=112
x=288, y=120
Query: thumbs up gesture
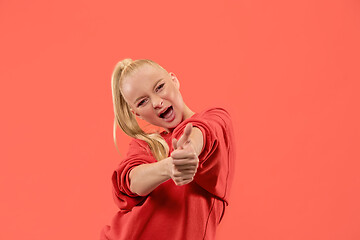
x=185, y=159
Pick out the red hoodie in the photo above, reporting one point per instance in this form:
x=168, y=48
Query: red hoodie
x=188, y=212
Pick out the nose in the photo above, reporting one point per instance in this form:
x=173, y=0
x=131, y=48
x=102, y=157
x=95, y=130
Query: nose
x=157, y=102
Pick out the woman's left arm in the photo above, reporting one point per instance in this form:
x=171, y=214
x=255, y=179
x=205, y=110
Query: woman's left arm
x=215, y=154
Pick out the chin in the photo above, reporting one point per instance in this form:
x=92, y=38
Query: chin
x=177, y=121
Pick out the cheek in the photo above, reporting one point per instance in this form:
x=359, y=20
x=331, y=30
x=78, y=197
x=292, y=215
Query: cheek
x=179, y=99
x=175, y=96
x=147, y=111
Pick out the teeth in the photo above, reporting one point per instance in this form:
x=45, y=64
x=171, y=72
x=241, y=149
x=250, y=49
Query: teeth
x=166, y=111
x=162, y=114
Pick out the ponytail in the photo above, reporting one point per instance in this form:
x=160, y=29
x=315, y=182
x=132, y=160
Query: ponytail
x=125, y=119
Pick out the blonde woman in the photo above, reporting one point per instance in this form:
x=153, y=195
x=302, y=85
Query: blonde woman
x=173, y=184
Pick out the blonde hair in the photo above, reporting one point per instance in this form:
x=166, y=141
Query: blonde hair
x=124, y=118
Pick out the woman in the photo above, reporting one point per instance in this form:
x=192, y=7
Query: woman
x=172, y=184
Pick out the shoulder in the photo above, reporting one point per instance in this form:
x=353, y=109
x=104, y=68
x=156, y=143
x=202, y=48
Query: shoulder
x=137, y=146
x=206, y=119
x=215, y=110
x=215, y=113
x=137, y=142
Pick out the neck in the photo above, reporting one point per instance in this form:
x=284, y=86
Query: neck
x=187, y=112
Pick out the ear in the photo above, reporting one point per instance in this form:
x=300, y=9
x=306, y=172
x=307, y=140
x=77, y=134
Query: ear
x=175, y=80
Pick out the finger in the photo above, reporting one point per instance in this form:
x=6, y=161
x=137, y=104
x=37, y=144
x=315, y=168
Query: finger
x=186, y=168
x=178, y=175
x=187, y=172
x=182, y=154
x=182, y=172
x=183, y=177
x=185, y=137
x=188, y=177
x=189, y=169
x=185, y=181
x=182, y=181
x=185, y=162
x=174, y=143
x=188, y=181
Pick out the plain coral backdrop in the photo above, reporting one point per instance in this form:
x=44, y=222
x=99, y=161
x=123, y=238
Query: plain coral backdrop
x=287, y=71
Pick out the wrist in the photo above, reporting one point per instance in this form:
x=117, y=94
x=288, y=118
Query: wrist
x=166, y=167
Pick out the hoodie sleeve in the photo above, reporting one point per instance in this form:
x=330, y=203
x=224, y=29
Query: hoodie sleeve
x=137, y=155
x=216, y=160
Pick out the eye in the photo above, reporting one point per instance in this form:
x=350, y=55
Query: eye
x=141, y=102
x=161, y=86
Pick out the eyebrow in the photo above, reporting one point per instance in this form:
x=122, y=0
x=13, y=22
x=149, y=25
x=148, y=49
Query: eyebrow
x=153, y=88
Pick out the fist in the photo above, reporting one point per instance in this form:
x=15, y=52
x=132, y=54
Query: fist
x=185, y=160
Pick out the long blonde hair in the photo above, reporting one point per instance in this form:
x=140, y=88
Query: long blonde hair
x=124, y=118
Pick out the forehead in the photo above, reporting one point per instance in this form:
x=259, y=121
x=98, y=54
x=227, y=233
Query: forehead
x=141, y=81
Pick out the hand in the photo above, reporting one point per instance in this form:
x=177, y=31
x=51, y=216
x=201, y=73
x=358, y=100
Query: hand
x=185, y=159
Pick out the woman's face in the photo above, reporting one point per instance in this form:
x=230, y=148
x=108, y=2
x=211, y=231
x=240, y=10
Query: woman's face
x=154, y=96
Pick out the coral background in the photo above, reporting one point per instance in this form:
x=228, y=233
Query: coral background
x=287, y=71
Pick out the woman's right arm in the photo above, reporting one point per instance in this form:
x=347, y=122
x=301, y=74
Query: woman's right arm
x=146, y=177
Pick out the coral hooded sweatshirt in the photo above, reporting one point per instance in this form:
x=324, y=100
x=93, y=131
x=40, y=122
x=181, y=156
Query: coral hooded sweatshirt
x=188, y=212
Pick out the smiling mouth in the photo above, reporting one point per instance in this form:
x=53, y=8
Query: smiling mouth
x=167, y=112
